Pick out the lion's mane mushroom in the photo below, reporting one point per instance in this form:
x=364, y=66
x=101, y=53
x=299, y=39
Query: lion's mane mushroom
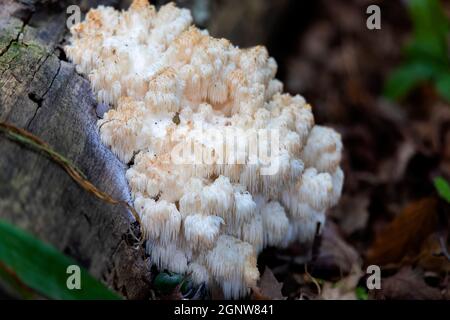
x=172, y=86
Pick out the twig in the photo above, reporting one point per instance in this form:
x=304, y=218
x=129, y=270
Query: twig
x=26, y=138
x=314, y=280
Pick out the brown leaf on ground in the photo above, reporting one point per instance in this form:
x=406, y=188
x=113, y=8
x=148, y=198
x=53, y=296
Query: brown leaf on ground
x=269, y=287
x=406, y=284
x=404, y=236
x=430, y=133
x=335, y=258
x=431, y=257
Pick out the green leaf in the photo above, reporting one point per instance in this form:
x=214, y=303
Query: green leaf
x=406, y=78
x=443, y=188
x=42, y=268
x=427, y=56
x=361, y=293
x=167, y=282
x=443, y=85
x=431, y=28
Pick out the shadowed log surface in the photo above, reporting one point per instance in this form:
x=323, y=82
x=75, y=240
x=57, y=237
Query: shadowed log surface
x=41, y=92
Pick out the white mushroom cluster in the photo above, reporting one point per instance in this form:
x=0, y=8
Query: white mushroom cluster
x=221, y=163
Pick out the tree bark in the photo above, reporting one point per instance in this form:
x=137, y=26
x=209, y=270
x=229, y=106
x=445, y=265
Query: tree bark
x=41, y=92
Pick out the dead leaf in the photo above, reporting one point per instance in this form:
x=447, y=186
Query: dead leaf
x=306, y=289
x=393, y=169
x=406, y=284
x=431, y=257
x=344, y=289
x=430, y=132
x=352, y=213
x=403, y=237
x=335, y=258
x=269, y=287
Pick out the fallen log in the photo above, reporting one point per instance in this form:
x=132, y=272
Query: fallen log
x=41, y=92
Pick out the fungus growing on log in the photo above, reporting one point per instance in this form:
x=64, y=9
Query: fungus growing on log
x=221, y=163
